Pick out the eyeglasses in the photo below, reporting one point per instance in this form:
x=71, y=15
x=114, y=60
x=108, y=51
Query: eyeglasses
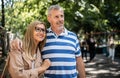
x=38, y=29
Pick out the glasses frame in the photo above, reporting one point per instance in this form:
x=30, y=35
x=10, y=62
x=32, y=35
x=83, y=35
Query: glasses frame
x=38, y=29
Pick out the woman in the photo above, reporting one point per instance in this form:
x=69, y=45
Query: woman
x=27, y=63
x=111, y=48
x=84, y=49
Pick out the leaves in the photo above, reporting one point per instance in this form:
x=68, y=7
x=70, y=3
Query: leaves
x=85, y=15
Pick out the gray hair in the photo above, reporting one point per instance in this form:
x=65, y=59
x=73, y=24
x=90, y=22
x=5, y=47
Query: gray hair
x=54, y=7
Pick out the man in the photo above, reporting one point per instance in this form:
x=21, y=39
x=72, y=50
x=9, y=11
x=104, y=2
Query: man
x=91, y=43
x=62, y=48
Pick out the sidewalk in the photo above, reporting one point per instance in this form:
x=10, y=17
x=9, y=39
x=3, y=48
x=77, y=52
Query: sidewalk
x=103, y=68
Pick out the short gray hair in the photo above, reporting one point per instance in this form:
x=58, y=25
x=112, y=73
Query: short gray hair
x=54, y=7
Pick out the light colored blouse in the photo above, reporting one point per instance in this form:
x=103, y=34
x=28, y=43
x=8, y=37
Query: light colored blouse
x=21, y=66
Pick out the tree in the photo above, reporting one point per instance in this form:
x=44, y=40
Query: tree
x=85, y=15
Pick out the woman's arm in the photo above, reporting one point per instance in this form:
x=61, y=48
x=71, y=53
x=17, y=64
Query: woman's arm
x=16, y=67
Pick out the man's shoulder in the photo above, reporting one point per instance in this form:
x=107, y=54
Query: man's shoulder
x=71, y=33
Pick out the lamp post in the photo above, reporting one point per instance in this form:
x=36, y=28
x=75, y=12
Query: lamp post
x=3, y=15
x=3, y=31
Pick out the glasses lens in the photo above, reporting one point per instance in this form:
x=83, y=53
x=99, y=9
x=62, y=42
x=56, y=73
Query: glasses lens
x=38, y=29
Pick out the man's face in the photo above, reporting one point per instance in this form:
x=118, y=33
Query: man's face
x=56, y=19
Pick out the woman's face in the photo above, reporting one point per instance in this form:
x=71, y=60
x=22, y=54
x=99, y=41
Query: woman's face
x=39, y=33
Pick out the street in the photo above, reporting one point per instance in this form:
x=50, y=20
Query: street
x=101, y=67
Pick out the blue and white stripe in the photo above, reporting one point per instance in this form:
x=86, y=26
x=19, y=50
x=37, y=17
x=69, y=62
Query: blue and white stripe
x=62, y=50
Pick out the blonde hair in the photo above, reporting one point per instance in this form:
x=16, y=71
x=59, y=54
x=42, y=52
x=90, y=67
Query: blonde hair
x=29, y=46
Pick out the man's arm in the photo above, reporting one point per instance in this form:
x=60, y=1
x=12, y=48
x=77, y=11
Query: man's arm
x=16, y=44
x=80, y=67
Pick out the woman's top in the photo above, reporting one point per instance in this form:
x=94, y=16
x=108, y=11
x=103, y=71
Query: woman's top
x=20, y=66
x=111, y=44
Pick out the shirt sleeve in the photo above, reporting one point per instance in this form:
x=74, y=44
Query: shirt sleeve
x=78, y=50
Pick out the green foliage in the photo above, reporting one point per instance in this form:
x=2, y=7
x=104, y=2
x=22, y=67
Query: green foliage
x=85, y=15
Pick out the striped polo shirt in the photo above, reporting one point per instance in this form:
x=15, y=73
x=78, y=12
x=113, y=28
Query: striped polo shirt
x=62, y=50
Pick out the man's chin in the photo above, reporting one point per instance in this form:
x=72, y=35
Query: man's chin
x=61, y=28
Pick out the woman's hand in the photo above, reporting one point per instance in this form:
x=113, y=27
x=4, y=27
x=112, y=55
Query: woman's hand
x=46, y=64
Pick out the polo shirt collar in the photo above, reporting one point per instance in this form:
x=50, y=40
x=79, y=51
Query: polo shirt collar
x=63, y=33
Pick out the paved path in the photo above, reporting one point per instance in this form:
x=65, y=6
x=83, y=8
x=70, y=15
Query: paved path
x=101, y=67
